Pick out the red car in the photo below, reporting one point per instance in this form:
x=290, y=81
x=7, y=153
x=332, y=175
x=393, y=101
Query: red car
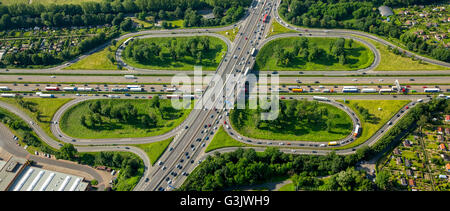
x=282, y=97
x=407, y=107
x=224, y=122
x=424, y=87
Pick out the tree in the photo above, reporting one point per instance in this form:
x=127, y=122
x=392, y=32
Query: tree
x=382, y=180
x=67, y=152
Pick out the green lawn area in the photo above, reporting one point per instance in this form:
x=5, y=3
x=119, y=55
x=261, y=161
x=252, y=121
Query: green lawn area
x=223, y=140
x=112, y=128
x=177, y=23
x=287, y=187
x=393, y=62
x=380, y=117
x=357, y=57
x=277, y=28
x=231, y=33
x=300, y=131
x=144, y=24
x=47, y=107
x=210, y=60
x=154, y=150
x=98, y=60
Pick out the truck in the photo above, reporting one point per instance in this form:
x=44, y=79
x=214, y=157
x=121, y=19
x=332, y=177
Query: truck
x=136, y=89
x=4, y=88
x=46, y=95
x=320, y=98
x=432, y=90
x=247, y=69
x=133, y=86
x=368, y=90
x=297, y=90
x=172, y=96
x=332, y=143
x=130, y=76
x=51, y=88
x=8, y=95
x=70, y=88
x=253, y=52
x=86, y=89
x=347, y=89
x=171, y=89
x=385, y=90
x=356, y=132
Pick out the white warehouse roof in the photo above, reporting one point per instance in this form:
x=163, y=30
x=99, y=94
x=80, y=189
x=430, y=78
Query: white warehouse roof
x=37, y=179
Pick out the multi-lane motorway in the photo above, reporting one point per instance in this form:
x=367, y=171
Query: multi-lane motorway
x=187, y=150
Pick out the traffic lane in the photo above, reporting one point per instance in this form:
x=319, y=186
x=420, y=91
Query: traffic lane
x=191, y=137
x=76, y=79
x=366, y=80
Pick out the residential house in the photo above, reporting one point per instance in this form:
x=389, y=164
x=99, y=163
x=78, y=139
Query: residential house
x=398, y=160
x=442, y=147
x=409, y=172
x=403, y=182
x=397, y=151
x=408, y=163
x=439, y=130
x=412, y=183
x=447, y=167
x=440, y=138
x=447, y=118
x=407, y=143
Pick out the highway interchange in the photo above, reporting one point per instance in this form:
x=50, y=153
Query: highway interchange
x=161, y=175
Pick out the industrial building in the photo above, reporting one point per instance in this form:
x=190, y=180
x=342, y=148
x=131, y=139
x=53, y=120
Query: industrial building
x=17, y=175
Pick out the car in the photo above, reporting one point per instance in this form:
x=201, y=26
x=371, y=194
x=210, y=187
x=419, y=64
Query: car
x=181, y=160
x=170, y=149
x=147, y=179
x=164, y=168
x=160, y=163
x=192, y=161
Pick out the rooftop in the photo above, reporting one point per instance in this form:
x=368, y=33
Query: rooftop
x=385, y=11
x=37, y=179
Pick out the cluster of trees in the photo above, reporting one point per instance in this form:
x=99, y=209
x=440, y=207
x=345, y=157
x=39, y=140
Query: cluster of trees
x=348, y=180
x=146, y=52
x=292, y=114
x=34, y=56
x=364, y=112
x=123, y=112
x=246, y=167
x=310, y=52
x=102, y=112
x=358, y=15
x=128, y=164
x=109, y=12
